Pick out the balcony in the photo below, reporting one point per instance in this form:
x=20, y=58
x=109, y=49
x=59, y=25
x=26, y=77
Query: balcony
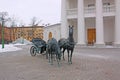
x=109, y=8
x=90, y=11
x=72, y=13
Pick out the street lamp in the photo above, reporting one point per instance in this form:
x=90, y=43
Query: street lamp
x=2, y=33
x=2, y=19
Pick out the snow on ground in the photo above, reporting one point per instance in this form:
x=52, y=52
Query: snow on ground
x=19, y=44
x=9, y=47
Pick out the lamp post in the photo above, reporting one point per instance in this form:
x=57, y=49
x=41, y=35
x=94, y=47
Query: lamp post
x=2, y=33
x=2, y=19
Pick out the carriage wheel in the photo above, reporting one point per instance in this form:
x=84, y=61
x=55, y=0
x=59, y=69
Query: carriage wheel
x=33, y=51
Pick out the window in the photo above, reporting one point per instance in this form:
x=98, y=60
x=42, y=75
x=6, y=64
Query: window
x=30, y=33
x=91, y=5
x=106, y=4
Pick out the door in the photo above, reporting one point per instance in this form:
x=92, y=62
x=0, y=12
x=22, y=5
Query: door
x=50, y=35
x=91, y=36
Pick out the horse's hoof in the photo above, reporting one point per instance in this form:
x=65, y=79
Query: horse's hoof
x=51, y=63
x=58, y=65
x=48, y=61
x=69, y=63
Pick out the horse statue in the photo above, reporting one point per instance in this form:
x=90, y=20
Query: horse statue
x=67, y=44
x=52, y=50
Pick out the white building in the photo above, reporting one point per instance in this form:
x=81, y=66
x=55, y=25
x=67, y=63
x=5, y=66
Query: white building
x=94, y=21
x=52, y=31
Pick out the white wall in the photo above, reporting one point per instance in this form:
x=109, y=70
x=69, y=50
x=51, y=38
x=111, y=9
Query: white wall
x=72, y=4
x=90, y=22
x=88, y=2
x=55, y=29
x=109, y=1
x=109, y=26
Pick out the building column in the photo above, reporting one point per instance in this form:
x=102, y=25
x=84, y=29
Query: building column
x=81, y=23
x=64, y=26
x=99, y=24
x=117, y=24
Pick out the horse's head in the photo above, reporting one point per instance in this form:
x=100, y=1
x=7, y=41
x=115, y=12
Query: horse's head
x=70, y=38
x=70, y=31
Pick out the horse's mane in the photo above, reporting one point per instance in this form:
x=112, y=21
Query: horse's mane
x=54, y=44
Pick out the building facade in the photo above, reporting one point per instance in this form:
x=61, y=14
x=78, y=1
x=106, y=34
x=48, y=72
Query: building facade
x=52, y=31
x=26, y=32
x=95, y=21
x=7, y=37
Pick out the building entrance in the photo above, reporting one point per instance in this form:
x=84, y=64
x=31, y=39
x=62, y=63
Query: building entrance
x=91, y=36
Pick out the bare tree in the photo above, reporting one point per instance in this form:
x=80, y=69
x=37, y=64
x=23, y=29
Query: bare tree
x=13, y=23
x=21, y=28
x=22, y=31
x=34, y=23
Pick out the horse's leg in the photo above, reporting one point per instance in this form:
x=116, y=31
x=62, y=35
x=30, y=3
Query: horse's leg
x=68, y=55
x=54, y=56
x=46, y=54
x=57, y=57
x=61, y=51
x=71, y=56
x=51, y=58
x=63, y=54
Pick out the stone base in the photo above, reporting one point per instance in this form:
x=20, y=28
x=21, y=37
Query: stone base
x=99, y=45
x=80, y=45
x=116, y=45
x=96, y=45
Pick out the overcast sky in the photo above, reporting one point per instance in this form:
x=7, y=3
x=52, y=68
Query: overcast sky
x=49, y=11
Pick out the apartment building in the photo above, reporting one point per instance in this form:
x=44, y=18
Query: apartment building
x=26, y=32
x=95, y=21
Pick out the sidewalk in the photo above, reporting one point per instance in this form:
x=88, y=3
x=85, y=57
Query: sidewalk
x=88, y=64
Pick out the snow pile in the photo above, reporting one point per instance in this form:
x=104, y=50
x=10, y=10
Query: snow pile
x=19, y=44
x=8, y=48
x=22, y=41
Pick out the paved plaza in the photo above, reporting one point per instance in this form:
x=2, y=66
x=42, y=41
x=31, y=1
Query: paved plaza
x=88, y=64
